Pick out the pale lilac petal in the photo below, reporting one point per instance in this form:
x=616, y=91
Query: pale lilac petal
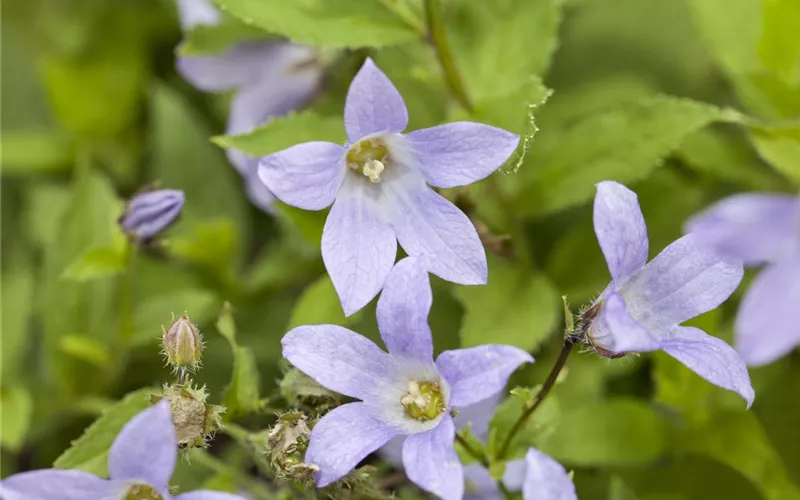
x=343, y=438
x=305, y=176
x=460, y=153
x=341, y=360
x=711, y=358
x=208, y=495
x=617, y=332
x=238, y=66
x=514, y=477
x=766, y=326
x=546, y=479
x=194, y=12
x=477, y=373
x=403, y=310
x=373, y=104
x=479, y=484
x=56, y=484
x=685, y=280
x=358, y=247
x=431, y=461
x=620, y=229
x=146, y=447
x=427, y=224
x=257, y=191
x=753, y=227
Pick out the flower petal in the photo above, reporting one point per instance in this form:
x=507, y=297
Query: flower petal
x=711, y=358
x=753, y=227
x=686, y=279
x=341, y=360
x=546, y=479
x=257, y=191
x=145, y=449
x=238, y=66
x=766, y=325
x=150, y=213
x=306, y=176
x=620, y=229
x=343, y=438
x=194, y=12
x=56, y=484
x=460, y=153
x=427, y=224
x=208, y=495
x=373, y=104
x=477, y=373
x=403, y=310
x=616, y=331
x=431, y=462
x=358, y=247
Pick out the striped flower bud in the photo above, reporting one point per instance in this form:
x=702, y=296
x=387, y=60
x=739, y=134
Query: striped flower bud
x=149, y=213
x=182, y=344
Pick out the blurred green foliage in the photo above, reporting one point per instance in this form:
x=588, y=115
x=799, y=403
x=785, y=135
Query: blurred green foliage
x=684, y=100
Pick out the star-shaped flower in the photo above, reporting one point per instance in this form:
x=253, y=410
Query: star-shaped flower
x=760, y=228
x=643, y=307
x=271, y=78
x=149, y=213
x=538, y=476
x=402, y=393
x=377, y=184
x=140, y=465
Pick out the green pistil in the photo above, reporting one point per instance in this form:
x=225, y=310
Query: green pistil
x=142, y=492
x=368, y=157
x=424, y=401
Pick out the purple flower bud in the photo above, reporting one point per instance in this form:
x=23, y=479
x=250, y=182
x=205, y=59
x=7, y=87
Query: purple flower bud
x=150, y=213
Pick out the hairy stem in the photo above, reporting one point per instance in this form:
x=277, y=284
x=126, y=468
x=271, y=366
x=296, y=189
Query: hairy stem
x=543, y=392
x=438, y=37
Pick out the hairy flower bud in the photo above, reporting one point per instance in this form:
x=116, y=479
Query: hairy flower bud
x=149, y=213
x=182, y=343
x=195, y=420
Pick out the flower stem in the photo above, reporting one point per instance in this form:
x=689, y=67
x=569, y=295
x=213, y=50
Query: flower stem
x=437, y=36
x=543, y=392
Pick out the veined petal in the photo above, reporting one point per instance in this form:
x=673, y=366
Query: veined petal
x=766, y=325
x=403, y=310
x=614, y=330
x=431, y=462
x=208, y=495
x=477, y=373
x=146, y=447
x=686, y=279
x=194, y=12
x=373, y=104
x=358, y=247
x=241, y=64
x=753, y=227
x=546, y=479
x=427, y=224
x=56, y=484
x=460, y=153
x=620, y=229
x=343, y=438
x=711, y=358
x=306, y=176
x=341, y=360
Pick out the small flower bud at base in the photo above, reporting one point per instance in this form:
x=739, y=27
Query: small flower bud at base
x=182, y=344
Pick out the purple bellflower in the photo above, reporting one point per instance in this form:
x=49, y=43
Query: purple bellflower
x=149, y=213
x=377, y=184
x=643, y=307
x=760, y=229
x=271, y=78
x=140, y=464
x=402, y=392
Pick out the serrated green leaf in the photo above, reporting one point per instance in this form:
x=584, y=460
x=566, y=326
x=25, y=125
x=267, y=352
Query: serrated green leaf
x=26, y=152
x=296, y=384
x=615, y=432
x=97, y=262
x=319, y=304
x=204, y=39
x=283, y=132
x=328, y=23
x=242, y=394
x=624, y=144
x=513, y=308
x=782, y=151
x=15, y=419
x=90, y=452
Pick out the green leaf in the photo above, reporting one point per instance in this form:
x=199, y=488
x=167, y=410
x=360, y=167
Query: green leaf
x=283, y=132
x=615, y=432
x=296, y=384
x=624, y=144
x=26, y=152
x=204, y=39
x=211, y=244
x=242, y=395
x=329, y=23
x=319, y=304
x=782, y=151
x=90, y=452
x=513, y=308
x=86, y=349
x=779, y=48
x=15, y=419
x=618, y=490
x=153, y=312
x=45, y=207
x=96, y=263
x=536, y=429
x=17, y=283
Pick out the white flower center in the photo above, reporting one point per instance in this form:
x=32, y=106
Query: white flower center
x=423, y=401
x=369, y=157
